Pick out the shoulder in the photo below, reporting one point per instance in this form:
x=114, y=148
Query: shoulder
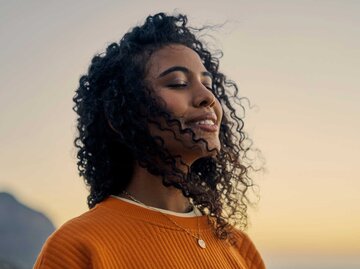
x=70, y=246
x=248, y=250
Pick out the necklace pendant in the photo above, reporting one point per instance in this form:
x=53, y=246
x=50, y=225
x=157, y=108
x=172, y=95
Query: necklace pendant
x=201, y=243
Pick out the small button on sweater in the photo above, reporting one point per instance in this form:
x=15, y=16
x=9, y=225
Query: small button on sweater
x=118, y=234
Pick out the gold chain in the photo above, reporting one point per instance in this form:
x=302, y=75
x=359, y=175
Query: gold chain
x=200, y=241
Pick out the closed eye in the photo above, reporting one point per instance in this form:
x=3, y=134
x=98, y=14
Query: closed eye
x=177, y=85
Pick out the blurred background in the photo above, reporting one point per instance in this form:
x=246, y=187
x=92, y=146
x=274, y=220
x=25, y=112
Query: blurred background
x=297, y=61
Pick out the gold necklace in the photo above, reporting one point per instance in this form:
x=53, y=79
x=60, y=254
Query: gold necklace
x=200, y=241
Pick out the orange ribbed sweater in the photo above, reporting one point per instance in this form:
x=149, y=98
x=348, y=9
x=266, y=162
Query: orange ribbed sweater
x=117, y=234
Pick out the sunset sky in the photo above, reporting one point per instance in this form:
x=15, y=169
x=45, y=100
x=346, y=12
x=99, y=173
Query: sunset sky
x=297, y=61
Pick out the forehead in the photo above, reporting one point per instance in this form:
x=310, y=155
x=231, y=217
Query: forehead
x=174, y=55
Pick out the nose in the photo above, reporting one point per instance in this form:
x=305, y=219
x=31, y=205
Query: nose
x=203, y=97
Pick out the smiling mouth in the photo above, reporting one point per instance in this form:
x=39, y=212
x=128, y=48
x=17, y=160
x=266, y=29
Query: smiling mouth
x=204, y=125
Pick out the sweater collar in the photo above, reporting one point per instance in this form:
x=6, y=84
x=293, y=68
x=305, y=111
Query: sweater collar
x=134, y=211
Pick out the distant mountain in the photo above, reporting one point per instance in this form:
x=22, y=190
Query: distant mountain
x=23, y=231
x=7, y=265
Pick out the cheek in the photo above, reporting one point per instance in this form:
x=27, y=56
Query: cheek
x=175, y=103
x=218, y=110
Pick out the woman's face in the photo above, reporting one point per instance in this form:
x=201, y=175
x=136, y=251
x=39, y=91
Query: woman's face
x=178, y=77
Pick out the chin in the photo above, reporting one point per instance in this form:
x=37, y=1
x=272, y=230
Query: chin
x=214, y=149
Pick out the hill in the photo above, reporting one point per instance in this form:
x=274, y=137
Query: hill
x=22, y=231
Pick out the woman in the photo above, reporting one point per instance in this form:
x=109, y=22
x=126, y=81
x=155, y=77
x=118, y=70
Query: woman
x=162, y=150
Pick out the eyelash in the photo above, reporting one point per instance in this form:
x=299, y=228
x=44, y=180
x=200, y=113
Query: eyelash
x=179, y=85
x=183, y=85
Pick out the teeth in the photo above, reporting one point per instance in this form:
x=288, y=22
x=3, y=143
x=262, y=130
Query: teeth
x=207, y=122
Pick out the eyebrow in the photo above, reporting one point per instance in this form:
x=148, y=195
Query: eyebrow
x=182, y=69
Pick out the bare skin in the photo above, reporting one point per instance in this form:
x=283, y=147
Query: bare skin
x=186, y=93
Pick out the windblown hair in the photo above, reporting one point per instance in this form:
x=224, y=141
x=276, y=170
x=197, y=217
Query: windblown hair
x=115, y=104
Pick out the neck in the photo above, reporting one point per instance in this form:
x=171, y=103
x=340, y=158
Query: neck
x=149, y=190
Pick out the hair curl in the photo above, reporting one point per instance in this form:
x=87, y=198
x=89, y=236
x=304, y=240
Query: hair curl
x=110, y=94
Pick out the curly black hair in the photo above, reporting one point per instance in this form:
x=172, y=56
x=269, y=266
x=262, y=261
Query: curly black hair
x=114, y=95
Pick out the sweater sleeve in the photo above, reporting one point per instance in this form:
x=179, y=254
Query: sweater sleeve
x=64, y=249
x=248, y=250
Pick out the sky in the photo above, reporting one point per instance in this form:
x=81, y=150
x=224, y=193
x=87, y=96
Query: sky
x=297, y=62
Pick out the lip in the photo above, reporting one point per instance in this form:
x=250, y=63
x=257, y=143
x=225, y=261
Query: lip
x=205, y=127
x=205, y=116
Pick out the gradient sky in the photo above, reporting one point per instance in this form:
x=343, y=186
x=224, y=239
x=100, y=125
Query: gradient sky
x=297, y=61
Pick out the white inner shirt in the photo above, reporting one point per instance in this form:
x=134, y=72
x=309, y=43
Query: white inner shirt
x=193, y=213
